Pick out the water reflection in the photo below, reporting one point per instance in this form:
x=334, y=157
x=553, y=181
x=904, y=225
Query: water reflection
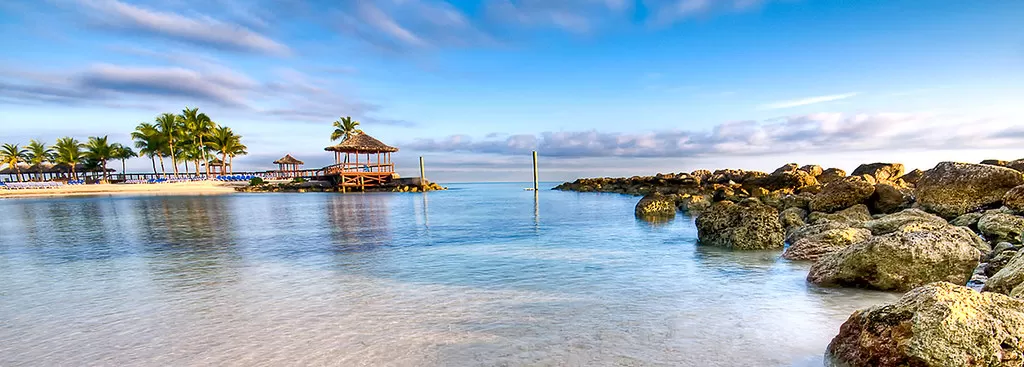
x=378, y=279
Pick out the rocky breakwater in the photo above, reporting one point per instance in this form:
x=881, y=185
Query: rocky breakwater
x=952, y=237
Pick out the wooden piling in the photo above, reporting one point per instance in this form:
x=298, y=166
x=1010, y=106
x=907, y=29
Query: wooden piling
x=423, y=178
x=535, y=180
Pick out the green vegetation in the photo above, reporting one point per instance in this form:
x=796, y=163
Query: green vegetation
x=190, y=136
x=299, y=180
x=255, y=181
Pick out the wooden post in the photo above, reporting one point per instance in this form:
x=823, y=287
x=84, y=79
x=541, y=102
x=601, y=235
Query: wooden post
x=423, y=177
x=535, y=181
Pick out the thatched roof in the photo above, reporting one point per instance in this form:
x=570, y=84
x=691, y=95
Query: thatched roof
x=59, y=168
x=288, y=159
x=215, y=162
x=361, y=143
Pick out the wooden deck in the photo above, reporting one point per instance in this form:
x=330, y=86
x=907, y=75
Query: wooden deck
x=343, y=175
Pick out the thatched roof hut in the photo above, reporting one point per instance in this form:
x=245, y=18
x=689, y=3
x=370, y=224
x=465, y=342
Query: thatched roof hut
x=288, y=159
x=361, y=143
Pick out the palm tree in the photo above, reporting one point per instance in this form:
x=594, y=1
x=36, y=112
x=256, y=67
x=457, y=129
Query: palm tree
x=123, y=153
x=235, y=150
x=198, y=126
x=98, y=150
x=69, y=153
x=38, y=154
x=223, y=140
x=168, y=125
x=13, y=155
x=345, y=128
x=151, y=143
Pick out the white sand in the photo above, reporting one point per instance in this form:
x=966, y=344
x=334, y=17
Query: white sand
x=183, y=188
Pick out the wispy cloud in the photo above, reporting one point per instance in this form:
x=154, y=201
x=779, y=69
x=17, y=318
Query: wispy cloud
x=201, y=30
x=808, y=101
x=832, y=132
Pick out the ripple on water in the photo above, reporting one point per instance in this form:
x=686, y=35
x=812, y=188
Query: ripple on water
x=482, y=276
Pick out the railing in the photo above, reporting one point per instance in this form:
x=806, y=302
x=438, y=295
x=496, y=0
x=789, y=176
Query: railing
x=340, y=168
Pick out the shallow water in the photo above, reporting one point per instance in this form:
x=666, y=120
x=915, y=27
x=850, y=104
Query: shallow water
x=480, y=275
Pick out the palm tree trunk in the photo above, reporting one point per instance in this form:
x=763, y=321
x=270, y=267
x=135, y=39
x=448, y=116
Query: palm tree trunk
x=103, y=166
x=231, y=164
x=206, y=158
x=186, y=167
x=16, y=168
x=73, y=172
x=152, y=158
x=174, y=160
x=162, y=169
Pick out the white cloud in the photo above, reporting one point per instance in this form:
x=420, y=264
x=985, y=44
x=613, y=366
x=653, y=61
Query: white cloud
x=808, y=101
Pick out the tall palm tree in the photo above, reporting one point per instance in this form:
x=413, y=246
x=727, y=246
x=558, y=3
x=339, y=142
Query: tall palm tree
x=151, y=143
x=13, y=155
x=168, y=125
x=198, y=126
x=98, y=150
x=222, y=140
x=235, y=150
x=123, y=153
x=38, y=154
x=345, y=128
x=69, y=153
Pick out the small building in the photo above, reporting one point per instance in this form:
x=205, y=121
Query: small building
x=288, y=166
x=217, y=167
x=361, y=161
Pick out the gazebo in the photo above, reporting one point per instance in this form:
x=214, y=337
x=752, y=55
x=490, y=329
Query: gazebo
x=217, y=167
x=366, y=162
x=288, y=165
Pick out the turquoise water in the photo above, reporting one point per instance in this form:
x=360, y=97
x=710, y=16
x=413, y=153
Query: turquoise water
x=480, y=275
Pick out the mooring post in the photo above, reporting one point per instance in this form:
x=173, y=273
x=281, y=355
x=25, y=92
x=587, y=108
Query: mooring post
x=423, y=178
x=535, y=181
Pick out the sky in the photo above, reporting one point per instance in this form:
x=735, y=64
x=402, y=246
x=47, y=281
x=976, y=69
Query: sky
x=597, y=87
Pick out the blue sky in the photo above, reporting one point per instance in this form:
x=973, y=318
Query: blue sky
x=598, y=87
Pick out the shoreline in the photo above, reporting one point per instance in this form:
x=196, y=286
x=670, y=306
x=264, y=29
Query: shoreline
x=181, y=188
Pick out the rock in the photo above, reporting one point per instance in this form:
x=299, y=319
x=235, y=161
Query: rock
x=726, y=224
x=908, y=220
x=855, y=216
x=826, y=242
x=813, y=170
x=788, y=180
x=940, y=324
x=802, y=201
x=693, y=204
x=889, y=198
x=1001, y=227
x=813, y=229
x=1014, y=199
x=995, y=162
x=789, y=167
x=880, y=171
x=1003, y=246
x=1017, y=165
x=969, y=220
x=999, y=262
x=842, y=194
x=901, y=260
x=1009, y=277
x=656, y=206
x=953, y=189
x=912, y=177
x=792, y=218
x=1018, y=292
x=830, y=175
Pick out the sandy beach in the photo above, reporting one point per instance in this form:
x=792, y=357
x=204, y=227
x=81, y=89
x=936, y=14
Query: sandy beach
x=183, y=188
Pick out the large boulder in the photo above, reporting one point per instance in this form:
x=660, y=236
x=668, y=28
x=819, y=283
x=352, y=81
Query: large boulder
x=812, y=169
x=830, y=175
x=940, y=324
x=751, y=227
x=854, y=216
x=788, y=167
x=1001, y=227
x=912, y=177
x=820, y=244
x=1014, y=199
x=995, y=162
x=656, y=206
x=901, y=260
x=969, y=220
x=693, y=204
x=880, y=171
x=800, y=233
x=953, y=189
x=890, y=198
x=842, y=194
x=907, y=221
x=1009, y=277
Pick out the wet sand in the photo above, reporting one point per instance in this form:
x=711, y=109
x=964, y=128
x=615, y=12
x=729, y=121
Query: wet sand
x=183, y=188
